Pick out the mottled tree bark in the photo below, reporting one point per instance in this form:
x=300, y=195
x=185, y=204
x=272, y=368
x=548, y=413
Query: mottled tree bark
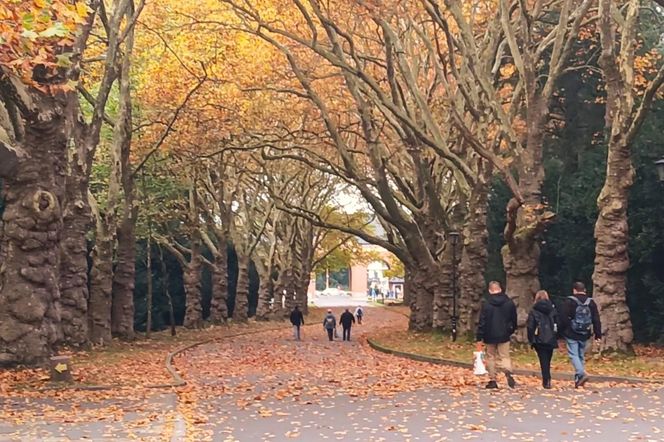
x=421, y=299
x=241, y=311
x=219, y=302
x=122, y=311
x=277, y=294
x=264, y=293
x=193, y=317
x=521, y=253
x=442, y=306
x=624, y=115
x=29, y=243
x=473, y=262
x=101, y=286
x=74, y=257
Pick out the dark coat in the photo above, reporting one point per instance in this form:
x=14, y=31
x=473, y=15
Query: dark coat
x=542, y=311
x=567, y=313
x=497, y=320
x=346, y=319
x=296, y=317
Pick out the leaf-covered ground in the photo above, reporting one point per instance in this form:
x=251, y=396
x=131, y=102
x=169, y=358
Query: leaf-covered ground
x=266, y=386
x=648, y=362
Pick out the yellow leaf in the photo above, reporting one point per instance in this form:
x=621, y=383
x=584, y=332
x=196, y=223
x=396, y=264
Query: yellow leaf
x=81, y=9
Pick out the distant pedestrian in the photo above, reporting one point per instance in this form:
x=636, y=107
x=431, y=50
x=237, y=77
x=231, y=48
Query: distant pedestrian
x=297, y=319
x=497, y=323
x=347, y=320
x=359, y=313
x=330, y=324
x=542, y=328
x=579, y=320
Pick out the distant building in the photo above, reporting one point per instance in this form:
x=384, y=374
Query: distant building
x=360, y=279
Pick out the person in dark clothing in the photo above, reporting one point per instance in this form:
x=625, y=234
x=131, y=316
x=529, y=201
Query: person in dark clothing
x=297, y=319
x=330, y=324
x=346, y=320
x=579, y=320
x=542, y=326
x=497, y=323
x=359, y=313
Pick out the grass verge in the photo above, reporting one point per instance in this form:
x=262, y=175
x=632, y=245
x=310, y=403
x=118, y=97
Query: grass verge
x=647, y=363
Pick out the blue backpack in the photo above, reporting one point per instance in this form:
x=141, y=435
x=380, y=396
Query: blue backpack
x=583, y=318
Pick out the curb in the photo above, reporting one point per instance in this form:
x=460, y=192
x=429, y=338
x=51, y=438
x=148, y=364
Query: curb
x=519, y=371
x=178, y=381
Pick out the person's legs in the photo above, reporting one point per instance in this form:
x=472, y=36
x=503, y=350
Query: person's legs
x=544, y=354
x=297, y=331
x=348, y=337
x=573, y=351
x=505, y=363
x=330, y=334
x=491, y=350
x=582, y=354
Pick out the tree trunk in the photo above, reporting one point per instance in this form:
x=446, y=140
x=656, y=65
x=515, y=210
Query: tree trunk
x=29, y=244
x=164, y=278
x=442, y=292
x=101, y=286
x=241, y=311
x=473, y=262
x=264, y=292
x=521, y=254
x=148, y=296
x=277, y=294
x=421, y=296
x=74, y=259
x=611, y=249
x=122, y=315
x=193, y=317
x=521, y=265
x=219, y=302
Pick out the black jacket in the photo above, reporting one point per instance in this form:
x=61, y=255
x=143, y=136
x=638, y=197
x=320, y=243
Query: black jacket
x=497, y=320
x=296, y=317
x=567, y=313
x=540, y=312
x=346, y=319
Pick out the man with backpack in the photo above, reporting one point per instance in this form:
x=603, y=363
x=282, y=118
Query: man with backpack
x=579, y=321
x=297, y=319
x=330, y=324
x=496, y=325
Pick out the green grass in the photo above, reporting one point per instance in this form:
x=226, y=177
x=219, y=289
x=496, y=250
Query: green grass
x=647, y=363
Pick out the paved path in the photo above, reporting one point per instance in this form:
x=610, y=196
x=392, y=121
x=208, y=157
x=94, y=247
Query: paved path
x=73, y=416
x=268, y=387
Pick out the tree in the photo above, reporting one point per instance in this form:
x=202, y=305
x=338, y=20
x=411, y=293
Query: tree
x=625, y=113
x=41, y=46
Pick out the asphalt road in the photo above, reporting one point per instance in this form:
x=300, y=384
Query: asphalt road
x=314, y=390
x=269, y=387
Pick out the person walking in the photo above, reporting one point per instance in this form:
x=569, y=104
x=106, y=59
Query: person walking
x=347, y=320
x=297, y=319
x=497, y=323
x=330, y=324
x=579, y=322
x=359, y=313
x=542, y=326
